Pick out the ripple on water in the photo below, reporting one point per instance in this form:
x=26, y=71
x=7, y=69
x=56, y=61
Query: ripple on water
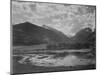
x=49, y=61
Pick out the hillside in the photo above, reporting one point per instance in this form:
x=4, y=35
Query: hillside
x=30, y=34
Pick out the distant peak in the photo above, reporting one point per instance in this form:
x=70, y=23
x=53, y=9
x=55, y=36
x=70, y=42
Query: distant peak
x=45, y=26
x=26, y=23
x=48, y=27
x=23, y=23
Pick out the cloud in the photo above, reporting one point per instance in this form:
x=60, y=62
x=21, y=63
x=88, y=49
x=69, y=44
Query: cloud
x=64, y=17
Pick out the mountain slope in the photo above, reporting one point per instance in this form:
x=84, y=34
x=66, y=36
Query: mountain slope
x=83, y=36
x=30, y=34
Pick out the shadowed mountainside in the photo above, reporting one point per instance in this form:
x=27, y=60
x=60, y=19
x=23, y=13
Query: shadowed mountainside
x=28, y=34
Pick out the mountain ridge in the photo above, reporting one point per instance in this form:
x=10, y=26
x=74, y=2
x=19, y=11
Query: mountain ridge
x=28, y=33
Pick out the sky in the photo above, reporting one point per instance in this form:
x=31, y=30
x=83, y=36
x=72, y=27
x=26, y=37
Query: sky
x=67, y=18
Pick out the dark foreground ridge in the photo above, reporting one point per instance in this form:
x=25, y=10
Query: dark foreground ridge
x=30, y=34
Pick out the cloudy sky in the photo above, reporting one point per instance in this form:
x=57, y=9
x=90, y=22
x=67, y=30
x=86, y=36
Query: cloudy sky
x=66, y=18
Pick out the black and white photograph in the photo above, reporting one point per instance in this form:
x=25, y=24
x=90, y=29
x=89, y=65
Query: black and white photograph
x=52, y=37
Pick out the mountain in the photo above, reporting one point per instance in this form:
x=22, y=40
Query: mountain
x=57, y=32
x=30, y=34
x=83, y=36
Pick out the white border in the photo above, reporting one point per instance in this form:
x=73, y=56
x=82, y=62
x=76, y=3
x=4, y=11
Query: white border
x=5, y=37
